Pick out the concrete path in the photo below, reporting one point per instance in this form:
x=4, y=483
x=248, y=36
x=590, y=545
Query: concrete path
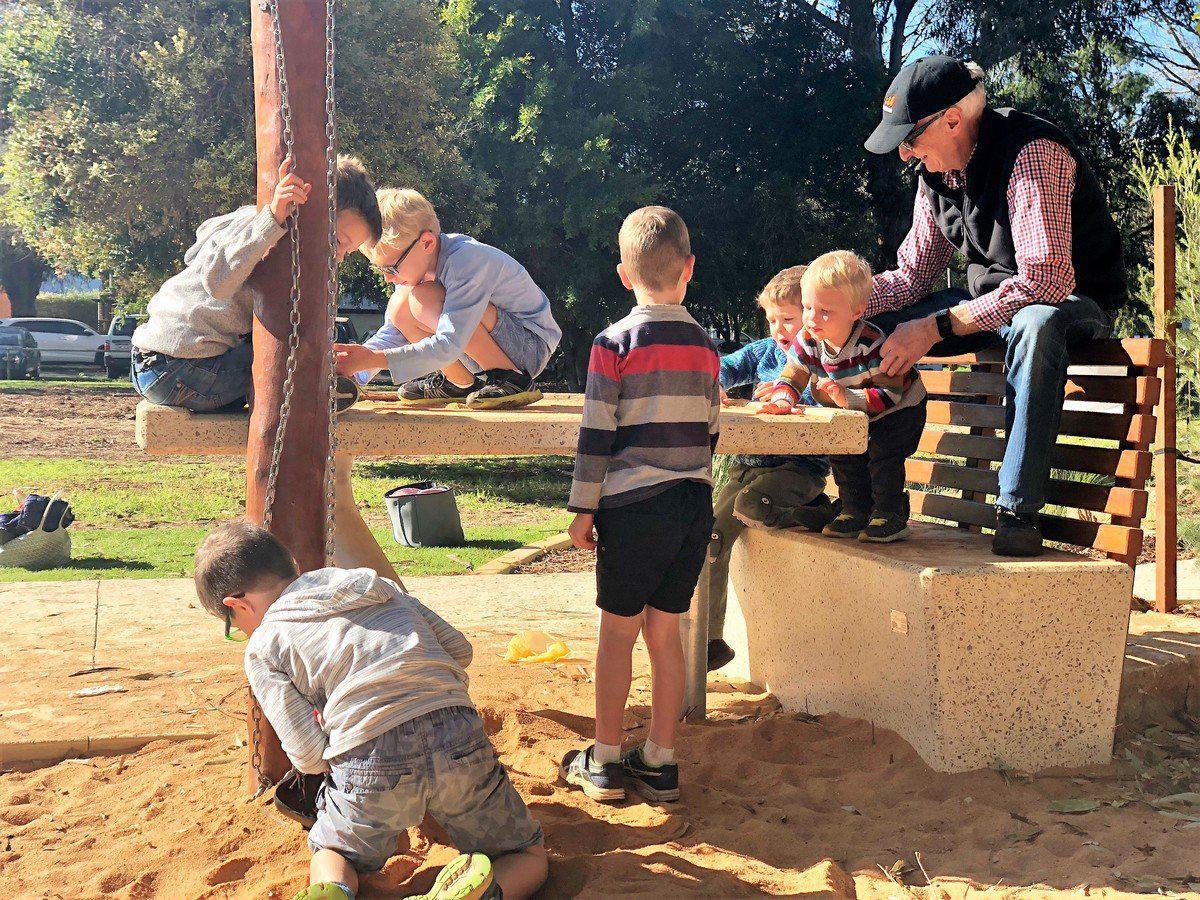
x=1188, y=574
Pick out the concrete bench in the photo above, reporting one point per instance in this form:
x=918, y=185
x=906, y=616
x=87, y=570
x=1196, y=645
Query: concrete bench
x=975, y=659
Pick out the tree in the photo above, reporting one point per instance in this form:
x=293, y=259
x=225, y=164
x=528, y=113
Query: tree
x=21, y=272
x=128, y=124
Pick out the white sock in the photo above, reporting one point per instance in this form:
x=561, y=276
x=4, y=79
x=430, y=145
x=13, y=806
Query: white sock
x=657, y=756
x=604, y=754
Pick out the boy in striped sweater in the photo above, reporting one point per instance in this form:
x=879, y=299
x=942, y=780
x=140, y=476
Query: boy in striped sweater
x=642, y=498
x=838, y=357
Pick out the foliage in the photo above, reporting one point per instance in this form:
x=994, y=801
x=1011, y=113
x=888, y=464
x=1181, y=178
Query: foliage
x=1178, y=165
x=128, y=124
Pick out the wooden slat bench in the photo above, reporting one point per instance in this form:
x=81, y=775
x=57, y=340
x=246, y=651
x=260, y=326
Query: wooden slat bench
x=975, y=659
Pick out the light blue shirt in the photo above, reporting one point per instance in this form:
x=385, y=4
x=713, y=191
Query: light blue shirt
x=473, y=275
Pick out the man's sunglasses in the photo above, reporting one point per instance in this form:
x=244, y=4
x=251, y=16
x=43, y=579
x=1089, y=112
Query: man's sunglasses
x=909, y=143
x=394, y=268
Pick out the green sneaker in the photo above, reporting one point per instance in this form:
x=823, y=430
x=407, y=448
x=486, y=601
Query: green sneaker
x=325, y=890
x=466, y=877
x=846, y=525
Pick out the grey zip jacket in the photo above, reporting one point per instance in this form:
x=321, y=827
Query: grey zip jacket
x=344, y=656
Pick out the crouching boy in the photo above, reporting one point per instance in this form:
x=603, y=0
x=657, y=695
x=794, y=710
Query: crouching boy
x=838, y=358
x=362, y=682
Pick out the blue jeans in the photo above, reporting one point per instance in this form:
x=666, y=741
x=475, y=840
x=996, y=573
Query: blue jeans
x=201, y=385
x=1038, y=345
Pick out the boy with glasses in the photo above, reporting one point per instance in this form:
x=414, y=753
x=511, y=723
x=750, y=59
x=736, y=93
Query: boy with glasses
x=466, y=324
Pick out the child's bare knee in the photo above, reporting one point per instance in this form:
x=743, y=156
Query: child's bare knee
x=425, y=302
x=660, y=628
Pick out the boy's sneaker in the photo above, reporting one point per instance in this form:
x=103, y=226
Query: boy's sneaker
x=346, y=393
x=504, y=389
x=325, y=890
x=466, y=877
x=1017, y=534
x=885, y=529
x=720, y=654
x=605, y=783
x=846, y=525
x=295, y=797
x=435, y=390
x=658, y=784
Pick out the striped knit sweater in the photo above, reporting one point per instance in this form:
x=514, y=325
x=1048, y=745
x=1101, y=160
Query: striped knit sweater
x=857, y=367
x=652, y=409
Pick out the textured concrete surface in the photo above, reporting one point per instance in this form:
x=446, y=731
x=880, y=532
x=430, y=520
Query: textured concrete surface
x=1187, y=579
x=973, y=659
x=550, y=426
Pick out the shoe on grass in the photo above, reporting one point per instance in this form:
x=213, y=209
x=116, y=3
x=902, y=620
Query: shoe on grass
x=658, y=784
x=504, y=389
x=720, y=654
x=1017, y=534
x=466, y=877
x=435, y=390
x=846, y=525
x=885, y=529
x=605, y=783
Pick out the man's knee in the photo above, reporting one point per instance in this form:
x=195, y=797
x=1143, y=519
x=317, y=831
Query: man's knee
x=1037, y=335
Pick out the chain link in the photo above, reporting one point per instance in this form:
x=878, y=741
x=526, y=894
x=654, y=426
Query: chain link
x=289, y=141
x=331, y=184
x=256, y=762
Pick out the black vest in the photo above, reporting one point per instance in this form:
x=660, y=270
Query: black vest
x=976, y=218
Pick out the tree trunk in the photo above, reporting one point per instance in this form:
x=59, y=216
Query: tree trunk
x=21, y=274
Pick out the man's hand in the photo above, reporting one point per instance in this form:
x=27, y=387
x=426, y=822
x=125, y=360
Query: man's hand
x=833, y=391
x=907, y=344
x=355, y=358
x=583, y=531
x=290, y=192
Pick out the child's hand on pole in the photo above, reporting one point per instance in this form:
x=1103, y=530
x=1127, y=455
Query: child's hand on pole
x=582, y=531
x=291, y=192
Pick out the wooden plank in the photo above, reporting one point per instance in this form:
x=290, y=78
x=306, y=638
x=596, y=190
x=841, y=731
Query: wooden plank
x=1137, y=429
x=946, y=381
x=1115, y=501
x=1142, y=391
x=1148, y=353
x=1131, y=464
x=1112, y=539
x=1166, y=498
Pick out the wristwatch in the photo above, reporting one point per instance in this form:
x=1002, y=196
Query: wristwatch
x=945, y=325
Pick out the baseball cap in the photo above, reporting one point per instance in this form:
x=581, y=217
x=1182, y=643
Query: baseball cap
x=920, y=89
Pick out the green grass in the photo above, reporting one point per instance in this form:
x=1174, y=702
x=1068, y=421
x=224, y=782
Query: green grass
x=144, y=518
x=99, y=383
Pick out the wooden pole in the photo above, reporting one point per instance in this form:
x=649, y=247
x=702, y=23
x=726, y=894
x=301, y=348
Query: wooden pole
x=298, y=514
x=1166, y=540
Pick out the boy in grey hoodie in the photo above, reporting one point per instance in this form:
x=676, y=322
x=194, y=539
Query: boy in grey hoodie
x=364, y=683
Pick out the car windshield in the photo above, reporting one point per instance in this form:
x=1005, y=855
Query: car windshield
x=123, y=326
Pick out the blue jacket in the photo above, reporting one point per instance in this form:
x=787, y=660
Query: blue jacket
x=760, y=361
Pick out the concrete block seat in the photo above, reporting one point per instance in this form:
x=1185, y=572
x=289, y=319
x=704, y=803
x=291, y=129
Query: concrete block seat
x=550, y=426
x=974, y=659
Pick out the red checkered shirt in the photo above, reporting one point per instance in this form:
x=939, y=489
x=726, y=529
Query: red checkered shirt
x=1039, y=204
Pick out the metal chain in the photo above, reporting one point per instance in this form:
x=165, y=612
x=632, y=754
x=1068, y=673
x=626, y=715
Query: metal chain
x=331, y=184
x=264, y=783
x=289, y=141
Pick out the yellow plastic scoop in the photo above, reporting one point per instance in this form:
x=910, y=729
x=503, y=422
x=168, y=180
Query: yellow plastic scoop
x=535, y=647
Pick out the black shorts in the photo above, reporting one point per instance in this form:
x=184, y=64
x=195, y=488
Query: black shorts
x=651, y=552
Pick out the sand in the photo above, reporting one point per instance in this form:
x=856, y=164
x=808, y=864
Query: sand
x=767, y=795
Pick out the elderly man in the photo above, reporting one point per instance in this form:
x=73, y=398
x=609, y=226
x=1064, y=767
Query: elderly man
x=1014, y=195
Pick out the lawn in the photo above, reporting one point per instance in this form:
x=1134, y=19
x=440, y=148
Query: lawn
x=143, y=519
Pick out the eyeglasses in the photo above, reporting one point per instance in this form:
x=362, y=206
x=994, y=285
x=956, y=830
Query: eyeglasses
x=909, y=143
x=394, y=268
x=231, y=633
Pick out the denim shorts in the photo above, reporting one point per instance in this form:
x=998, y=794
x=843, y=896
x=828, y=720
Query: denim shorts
x=441, y=763
x=525, y=348
x=201, y=385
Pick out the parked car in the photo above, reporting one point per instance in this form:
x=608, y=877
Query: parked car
x=19, y=354
x=63, y=341
x=118, y=348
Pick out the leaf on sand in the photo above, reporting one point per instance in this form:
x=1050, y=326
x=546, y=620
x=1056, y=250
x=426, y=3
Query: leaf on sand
x=1187, y=799
x=100, y=689
x=1075, y=806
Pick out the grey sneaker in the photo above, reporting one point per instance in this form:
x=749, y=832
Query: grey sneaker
x=504, y=389
x=605, y=783
x=435, y=390
x=658, y=784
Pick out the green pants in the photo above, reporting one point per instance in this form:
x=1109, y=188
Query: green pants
x=788, y=486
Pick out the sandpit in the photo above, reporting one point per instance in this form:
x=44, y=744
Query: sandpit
x=767, y=794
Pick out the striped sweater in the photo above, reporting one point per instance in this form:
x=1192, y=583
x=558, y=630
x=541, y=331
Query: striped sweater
x=652, y=409
x=857, y=367
x=344, y=656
